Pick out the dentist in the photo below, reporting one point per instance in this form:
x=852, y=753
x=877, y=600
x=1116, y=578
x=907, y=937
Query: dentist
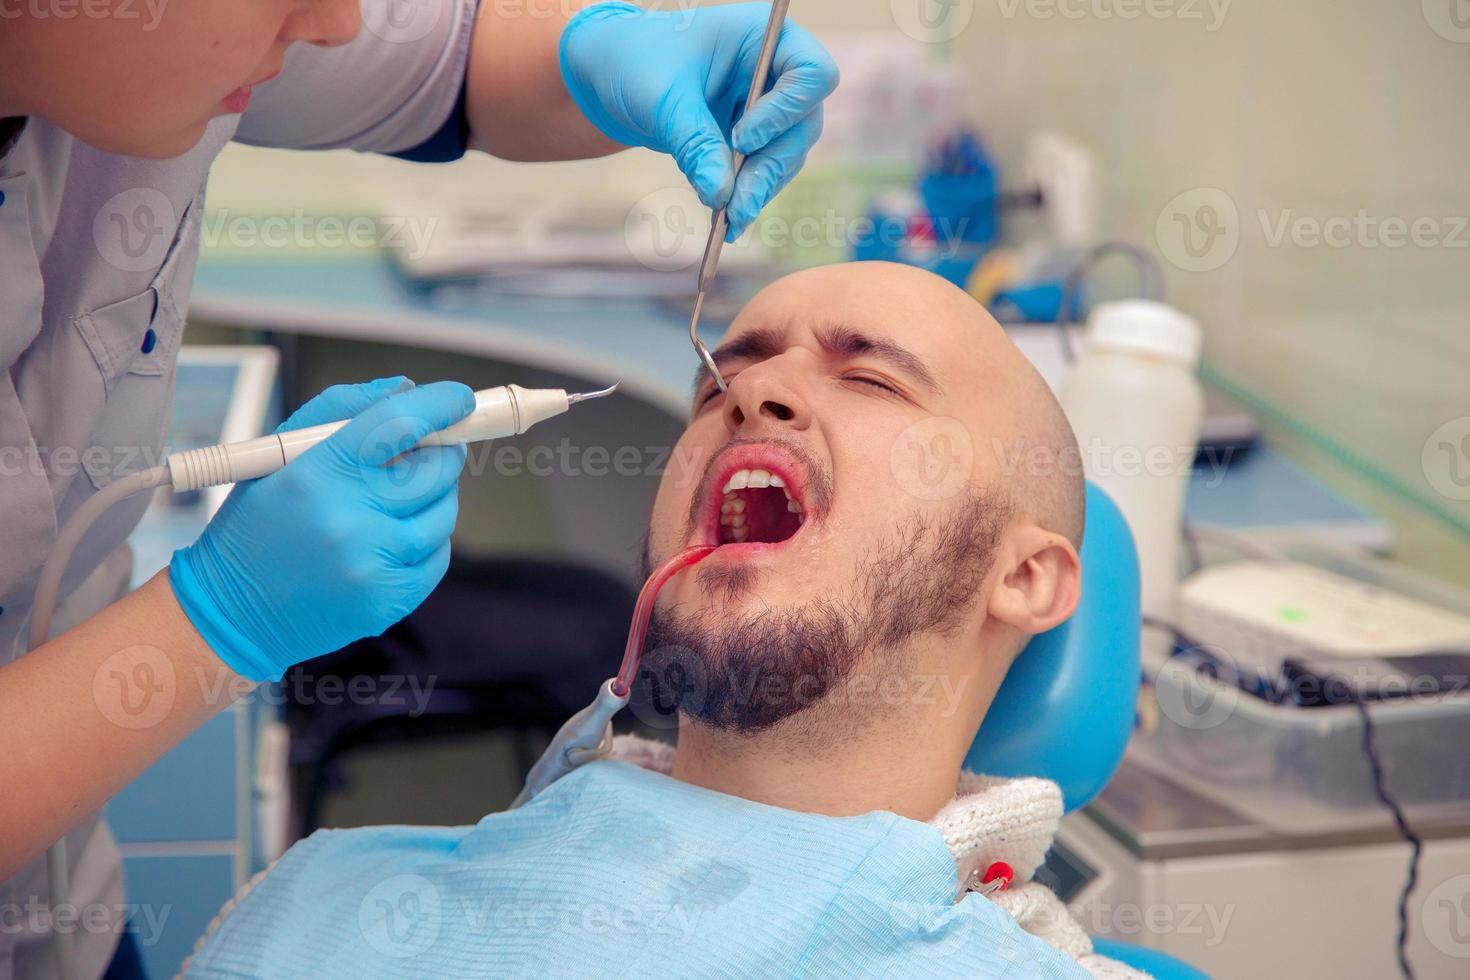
x=111, y=113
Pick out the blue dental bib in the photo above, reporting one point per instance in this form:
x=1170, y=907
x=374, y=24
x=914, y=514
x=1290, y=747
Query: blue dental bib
x=619, y=871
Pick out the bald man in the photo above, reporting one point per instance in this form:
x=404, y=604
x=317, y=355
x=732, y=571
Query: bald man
x=917, y=531
x=898, y=506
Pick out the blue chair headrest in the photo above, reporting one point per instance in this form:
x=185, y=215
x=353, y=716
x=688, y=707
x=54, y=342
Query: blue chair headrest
x=1066, y=707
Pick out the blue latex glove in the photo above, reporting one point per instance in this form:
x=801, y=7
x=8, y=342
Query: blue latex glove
x=677, y=81
x=336, y=545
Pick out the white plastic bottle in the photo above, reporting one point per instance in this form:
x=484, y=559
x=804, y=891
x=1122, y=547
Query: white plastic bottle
x=1136, y=407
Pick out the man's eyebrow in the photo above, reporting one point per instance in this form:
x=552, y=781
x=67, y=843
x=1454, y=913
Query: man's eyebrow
x=847, y=342
x=841, y=341
x=751, y=345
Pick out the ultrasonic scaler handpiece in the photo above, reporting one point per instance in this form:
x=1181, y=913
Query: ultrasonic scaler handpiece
x=499, y=412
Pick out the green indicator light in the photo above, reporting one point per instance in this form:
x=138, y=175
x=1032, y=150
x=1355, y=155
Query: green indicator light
x=1291, y=614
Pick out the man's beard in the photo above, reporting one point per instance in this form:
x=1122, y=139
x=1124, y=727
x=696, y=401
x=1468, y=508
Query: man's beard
x=747, y=672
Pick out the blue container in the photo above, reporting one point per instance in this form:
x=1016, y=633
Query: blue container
x=963, y=207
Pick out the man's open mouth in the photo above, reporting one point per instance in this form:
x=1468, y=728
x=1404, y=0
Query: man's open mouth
x=755, y=495
x=757, y=506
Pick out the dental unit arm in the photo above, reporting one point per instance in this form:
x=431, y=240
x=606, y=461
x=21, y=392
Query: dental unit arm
x=499, y=412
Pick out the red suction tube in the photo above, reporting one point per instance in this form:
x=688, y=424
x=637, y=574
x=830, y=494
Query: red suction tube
x=643, y=611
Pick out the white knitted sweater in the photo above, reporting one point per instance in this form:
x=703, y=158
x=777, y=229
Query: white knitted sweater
x=990, y=819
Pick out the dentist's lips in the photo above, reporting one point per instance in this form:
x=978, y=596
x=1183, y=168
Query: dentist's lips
x=239, y=100
x=754, y=498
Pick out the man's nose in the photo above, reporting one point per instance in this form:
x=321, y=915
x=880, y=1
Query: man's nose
x=325, y=23
x=762, y=395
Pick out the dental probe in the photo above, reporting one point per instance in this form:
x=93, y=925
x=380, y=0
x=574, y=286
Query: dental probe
x=499, y=412
x=721, y=223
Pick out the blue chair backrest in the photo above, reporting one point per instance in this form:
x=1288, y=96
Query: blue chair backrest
x=1066, y=708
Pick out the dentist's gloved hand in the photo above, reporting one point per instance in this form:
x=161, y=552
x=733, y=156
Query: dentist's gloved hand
x=336, y=545
x=675, y=81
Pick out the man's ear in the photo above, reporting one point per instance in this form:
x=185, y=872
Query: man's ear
x=1038, y=587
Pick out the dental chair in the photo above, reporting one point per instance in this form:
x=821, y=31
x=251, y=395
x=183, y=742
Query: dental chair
x=511, y=646
x=1066, y=707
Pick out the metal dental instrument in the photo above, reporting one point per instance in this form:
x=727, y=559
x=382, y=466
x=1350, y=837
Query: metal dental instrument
x=720, y=223
x=588, y=396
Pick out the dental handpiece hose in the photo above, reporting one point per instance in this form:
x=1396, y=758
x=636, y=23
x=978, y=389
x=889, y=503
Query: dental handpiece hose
x=499, y=412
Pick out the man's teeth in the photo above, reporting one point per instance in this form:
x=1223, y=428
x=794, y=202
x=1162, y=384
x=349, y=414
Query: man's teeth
x=741, y=479
x=732, y=519
x=732, y=508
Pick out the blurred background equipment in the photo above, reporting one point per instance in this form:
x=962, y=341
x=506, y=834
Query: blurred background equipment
x=1136, y=408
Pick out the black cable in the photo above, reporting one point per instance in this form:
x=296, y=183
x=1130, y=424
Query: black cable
x=1150, y=284
x=1375, y=765
x=1380, y=789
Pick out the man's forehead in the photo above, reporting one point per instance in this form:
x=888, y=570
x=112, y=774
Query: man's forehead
x=793, y=326
x=941, y=325
x=900, y=304
x=798, y=318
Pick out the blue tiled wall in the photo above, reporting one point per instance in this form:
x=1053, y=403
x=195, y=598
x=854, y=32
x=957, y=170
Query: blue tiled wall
x=175, y=897
x=184, y=845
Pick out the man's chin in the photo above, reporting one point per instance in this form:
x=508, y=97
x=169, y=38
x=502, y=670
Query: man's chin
x=743, y=657
x=737, y=692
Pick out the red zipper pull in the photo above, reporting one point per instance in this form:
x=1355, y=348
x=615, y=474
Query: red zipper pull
x=997, y=878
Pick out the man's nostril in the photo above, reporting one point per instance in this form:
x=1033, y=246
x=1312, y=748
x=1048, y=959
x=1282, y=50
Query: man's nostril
x=777, y=409
x=737, y=415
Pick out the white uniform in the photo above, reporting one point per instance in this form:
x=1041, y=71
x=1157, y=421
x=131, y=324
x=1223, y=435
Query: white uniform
x=97, y=255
